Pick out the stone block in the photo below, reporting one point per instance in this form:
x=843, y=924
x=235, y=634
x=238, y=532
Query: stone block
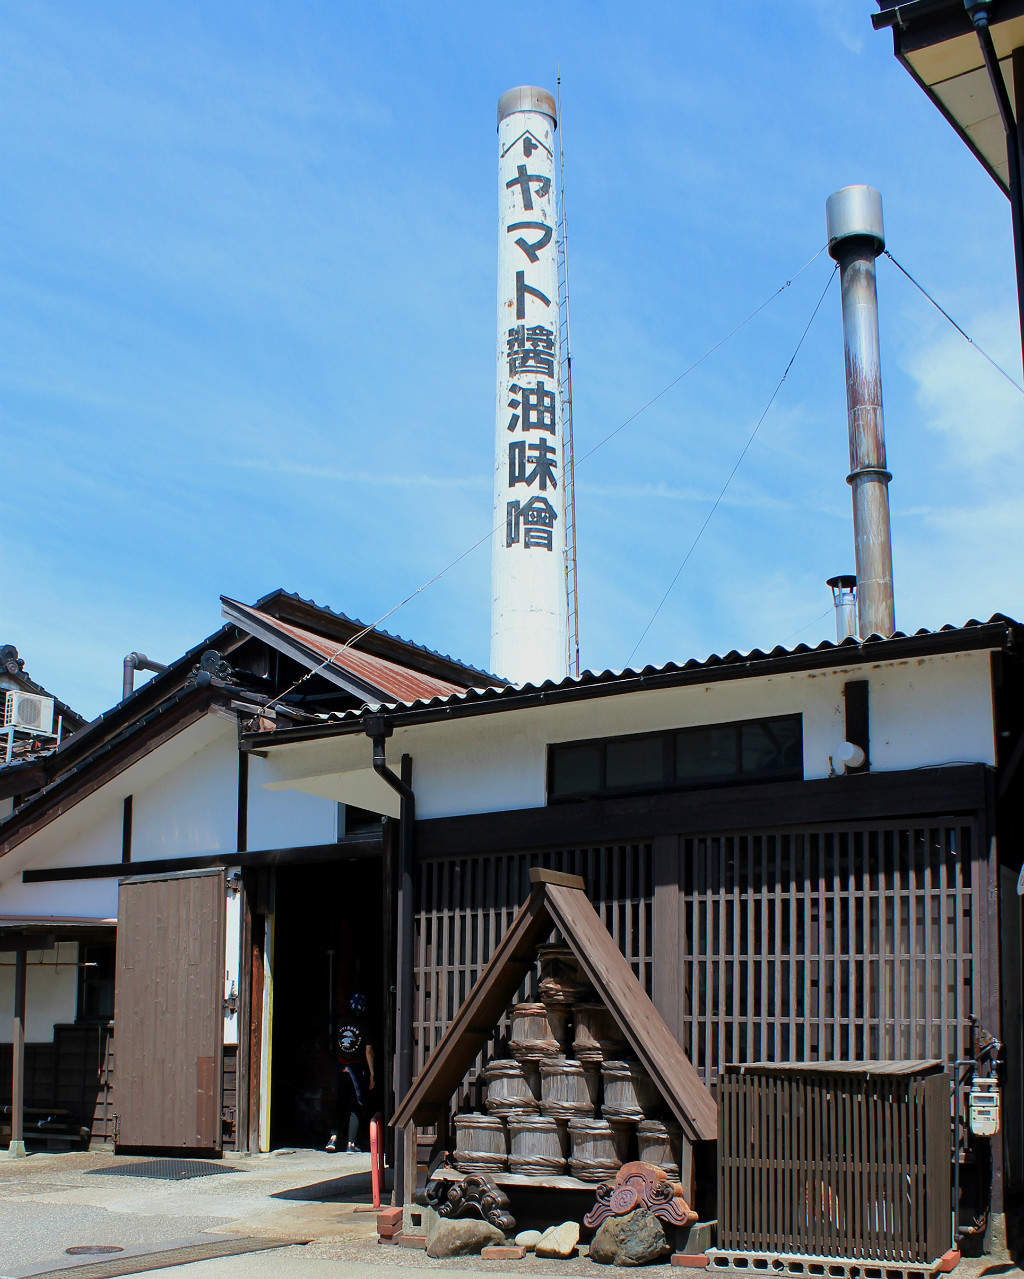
x=559, y=1241
x=462, y=1237
x=416, y=1220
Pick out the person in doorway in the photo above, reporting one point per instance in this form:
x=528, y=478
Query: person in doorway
x=353, y=1076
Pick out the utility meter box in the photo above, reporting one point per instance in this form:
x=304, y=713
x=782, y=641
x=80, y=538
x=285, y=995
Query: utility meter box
x=983, y=1107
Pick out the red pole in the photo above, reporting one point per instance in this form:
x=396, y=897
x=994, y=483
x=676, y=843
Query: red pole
x=376, y=1157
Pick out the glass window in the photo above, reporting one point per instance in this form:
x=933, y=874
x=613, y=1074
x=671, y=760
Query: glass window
x=634, y=762
x=771, y=746
x=96, y=982
x=706, y=754
x=576, y=770
x=680, y=759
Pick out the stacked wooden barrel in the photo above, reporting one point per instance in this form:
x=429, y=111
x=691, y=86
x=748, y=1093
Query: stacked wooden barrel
x=550, y=1113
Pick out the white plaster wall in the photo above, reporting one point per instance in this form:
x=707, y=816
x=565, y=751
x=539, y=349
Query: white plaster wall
x=192, y=808
x=232, y=954
x=98, y=841
x=932, y=711
x=201, y=760
x=51, y=992
x=285, y=818
x=929, y=712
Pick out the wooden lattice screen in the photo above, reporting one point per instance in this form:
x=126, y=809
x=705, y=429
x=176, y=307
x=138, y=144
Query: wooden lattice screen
x=464, y=905
x=838, y=943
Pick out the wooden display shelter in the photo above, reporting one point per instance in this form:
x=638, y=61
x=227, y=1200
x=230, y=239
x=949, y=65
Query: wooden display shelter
x=559, y=901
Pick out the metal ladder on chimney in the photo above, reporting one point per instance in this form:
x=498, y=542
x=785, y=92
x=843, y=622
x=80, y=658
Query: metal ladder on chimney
x=565, y=384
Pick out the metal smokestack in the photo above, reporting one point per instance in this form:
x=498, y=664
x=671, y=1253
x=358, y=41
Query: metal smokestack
x=529, y=604
x=855, y=239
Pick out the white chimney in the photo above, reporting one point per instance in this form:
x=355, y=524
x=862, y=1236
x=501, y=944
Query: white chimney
x=529, y=609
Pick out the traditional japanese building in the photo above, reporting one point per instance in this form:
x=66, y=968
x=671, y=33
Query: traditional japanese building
x=773, y=906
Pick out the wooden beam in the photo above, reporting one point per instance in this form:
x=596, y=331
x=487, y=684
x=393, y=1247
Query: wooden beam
x=473, y=1023
x=868, y=797
x=17, y=1145
x=602, y=961
x=541, y=875
x=346, y=849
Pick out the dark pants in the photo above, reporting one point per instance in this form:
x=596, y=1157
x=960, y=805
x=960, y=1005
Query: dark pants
x=352, y=1102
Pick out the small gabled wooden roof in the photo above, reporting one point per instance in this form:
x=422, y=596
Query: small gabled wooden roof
x=558, y=900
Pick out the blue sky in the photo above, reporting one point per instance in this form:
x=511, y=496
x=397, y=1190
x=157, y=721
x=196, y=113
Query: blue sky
x=248, y=257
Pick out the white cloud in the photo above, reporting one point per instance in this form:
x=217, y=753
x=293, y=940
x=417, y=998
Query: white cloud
x=964, y=399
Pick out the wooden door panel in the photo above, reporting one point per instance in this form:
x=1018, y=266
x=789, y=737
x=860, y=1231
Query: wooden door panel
x=168, y=1010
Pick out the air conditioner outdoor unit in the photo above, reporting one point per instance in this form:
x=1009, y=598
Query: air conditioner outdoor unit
x=29, y=711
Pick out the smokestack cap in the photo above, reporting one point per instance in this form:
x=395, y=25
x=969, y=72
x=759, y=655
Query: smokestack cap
x=527, y=98
x=854, y=211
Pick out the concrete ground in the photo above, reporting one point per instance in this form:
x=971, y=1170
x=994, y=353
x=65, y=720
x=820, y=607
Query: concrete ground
x=297, y=1209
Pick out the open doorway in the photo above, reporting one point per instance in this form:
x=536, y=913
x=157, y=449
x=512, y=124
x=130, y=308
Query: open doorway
x=328, y=947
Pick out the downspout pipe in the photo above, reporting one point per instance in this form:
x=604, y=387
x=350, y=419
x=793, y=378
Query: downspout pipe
x=379, y=729
x=977, y=11
x=137, y=662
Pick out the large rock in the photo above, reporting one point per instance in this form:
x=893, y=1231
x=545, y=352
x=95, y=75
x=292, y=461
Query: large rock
x=559, y=1241
x=461, y=1237
x=637, y=1239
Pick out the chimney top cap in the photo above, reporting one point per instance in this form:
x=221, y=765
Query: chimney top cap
x=845, y=582
x=527, y=97
x=854, y=212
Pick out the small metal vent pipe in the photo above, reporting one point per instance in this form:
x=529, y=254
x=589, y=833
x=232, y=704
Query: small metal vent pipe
x=844, y=597
x=137, y=662
x=855, y=239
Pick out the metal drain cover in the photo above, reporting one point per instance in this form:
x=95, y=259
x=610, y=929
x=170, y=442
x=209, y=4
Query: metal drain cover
x=92, y=1249
x=167, y=1169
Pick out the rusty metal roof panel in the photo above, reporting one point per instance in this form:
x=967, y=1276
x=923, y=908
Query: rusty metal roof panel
x=393, y=682
x=265, y=603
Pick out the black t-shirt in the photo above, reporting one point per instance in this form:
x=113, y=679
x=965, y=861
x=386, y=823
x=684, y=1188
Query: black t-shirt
x=350, y=1041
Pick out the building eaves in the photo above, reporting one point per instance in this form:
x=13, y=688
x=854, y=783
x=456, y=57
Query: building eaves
x=79, y=749
x=997, y=633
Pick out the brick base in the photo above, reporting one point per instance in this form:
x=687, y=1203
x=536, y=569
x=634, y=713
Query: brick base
x=503, y=1252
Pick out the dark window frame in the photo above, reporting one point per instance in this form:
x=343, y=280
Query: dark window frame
x=669, y=782
x=91, y=980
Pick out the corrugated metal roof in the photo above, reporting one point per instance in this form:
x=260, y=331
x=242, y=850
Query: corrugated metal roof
x=282, y=594
x=997, y=632
x=393, y=682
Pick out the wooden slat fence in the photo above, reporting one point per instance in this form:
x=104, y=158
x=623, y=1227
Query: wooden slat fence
x=842, y=943
x=464, y=905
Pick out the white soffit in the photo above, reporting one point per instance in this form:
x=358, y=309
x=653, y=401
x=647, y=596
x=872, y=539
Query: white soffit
x=362, y=787
x=955, y=72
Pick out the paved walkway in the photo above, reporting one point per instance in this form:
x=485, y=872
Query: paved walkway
x=301, y=1205
x=49, y=1203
